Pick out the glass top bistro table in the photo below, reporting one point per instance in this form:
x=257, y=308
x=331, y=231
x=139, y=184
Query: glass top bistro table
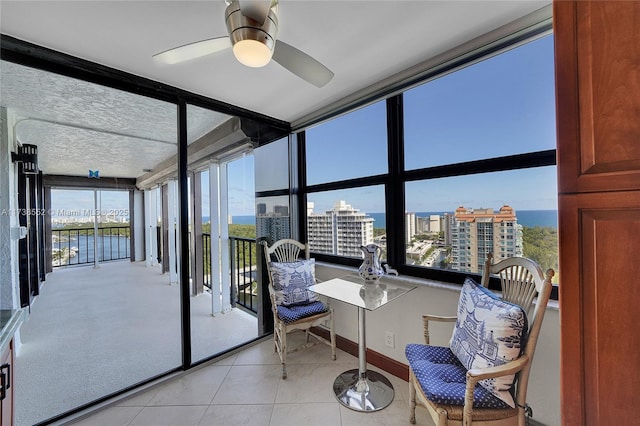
x=359, y=389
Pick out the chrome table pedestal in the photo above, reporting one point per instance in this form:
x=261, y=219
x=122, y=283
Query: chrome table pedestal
x=359, y=389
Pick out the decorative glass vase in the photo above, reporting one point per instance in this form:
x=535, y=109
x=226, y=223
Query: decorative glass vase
x=371, y=270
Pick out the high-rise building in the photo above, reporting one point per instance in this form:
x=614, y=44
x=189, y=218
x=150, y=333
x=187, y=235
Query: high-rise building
x=410, y=226
x=476, y=232
x=273, y=226
x=281, y=210
x=449, y=221
x=435, y=223
x=340, y=231
x=422, y=224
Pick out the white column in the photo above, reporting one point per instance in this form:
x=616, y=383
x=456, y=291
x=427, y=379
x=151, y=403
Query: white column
x=214, y=212
x=225, y=277
x=172, y=196
x=150, y=221
x=140, y=225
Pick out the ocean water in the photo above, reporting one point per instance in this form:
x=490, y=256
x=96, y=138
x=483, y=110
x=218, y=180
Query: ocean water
x=530, y=218
x=109, y=247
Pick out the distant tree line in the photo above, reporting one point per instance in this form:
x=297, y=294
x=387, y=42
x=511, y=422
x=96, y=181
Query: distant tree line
x=238, y=231
x=84, y=228
x=540, y=243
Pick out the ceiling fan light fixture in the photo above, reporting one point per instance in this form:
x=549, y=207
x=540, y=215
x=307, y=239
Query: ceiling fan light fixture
x=252, y=53
x=252, y=41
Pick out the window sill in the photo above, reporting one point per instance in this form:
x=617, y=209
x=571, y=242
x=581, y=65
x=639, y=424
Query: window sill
x=341, y=270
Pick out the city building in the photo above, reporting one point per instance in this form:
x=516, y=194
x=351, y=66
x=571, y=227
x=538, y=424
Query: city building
x=476, y=232
x=435, y=223
x=422, y=224
x=448, y=221
x=426, y=224
x=339, y=231
x=274, y=225
x=410, y=226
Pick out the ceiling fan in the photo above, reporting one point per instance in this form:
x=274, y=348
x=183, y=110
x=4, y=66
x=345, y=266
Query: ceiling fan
x=253, y=26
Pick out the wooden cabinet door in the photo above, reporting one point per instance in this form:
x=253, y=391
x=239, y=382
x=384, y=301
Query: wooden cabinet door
x=600, y=296
x=597, y=53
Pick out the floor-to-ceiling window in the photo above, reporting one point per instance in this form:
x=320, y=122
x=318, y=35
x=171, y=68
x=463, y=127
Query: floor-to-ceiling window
x=98, y=329
x=221, y=234
x=89, y=226
x=101, y=322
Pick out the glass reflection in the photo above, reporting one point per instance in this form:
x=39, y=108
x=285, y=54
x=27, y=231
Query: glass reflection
x=112, y=320
x=222, y=234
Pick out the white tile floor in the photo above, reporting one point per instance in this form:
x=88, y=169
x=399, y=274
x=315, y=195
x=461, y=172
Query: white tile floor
x=247, y=389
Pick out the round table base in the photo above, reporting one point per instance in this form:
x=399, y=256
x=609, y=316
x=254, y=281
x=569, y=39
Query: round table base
x=371, y=393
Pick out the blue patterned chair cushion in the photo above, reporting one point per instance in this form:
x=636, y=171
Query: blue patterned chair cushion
x=291, y=281
x=489, y=331
x=443, y=379
x=294, y=313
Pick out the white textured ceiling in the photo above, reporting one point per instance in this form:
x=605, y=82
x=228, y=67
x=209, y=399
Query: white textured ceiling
x=80, y=126
x=363, y=42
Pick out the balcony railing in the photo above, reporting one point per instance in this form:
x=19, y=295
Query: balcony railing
x=243, y=272
x=75, y=246
x=242, y=253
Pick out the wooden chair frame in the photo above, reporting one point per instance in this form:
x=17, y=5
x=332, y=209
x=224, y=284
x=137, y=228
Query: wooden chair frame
x=288, y=250
x=521, y=280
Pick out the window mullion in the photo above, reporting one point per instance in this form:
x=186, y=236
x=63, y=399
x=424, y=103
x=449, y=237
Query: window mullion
x=394, y=188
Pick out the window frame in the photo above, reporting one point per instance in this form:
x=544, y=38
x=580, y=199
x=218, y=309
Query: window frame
x=396, y=177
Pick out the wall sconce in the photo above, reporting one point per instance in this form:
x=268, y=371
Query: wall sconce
x=28, y=156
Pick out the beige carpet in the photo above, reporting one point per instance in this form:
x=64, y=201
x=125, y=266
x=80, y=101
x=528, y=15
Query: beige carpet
x=92, y=332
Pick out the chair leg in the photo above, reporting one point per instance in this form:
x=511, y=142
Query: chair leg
x=442, y=417
x=277, y=327
x=332, y=334
x=283, y=353
x=412, y=400
x=275, y=339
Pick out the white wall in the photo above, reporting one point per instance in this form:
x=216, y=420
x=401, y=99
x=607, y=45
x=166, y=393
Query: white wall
x=403, y=317
x=9, y=279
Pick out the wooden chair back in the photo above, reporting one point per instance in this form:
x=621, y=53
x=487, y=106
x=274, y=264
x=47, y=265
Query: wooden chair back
x=522, y=280
x=286, y=250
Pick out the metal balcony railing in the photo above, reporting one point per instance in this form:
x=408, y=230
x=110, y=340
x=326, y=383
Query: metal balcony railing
x=242, y=253
x=75, y=246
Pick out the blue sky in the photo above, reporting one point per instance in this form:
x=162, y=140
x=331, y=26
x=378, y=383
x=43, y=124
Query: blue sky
x=82, y=201
x=501, y=106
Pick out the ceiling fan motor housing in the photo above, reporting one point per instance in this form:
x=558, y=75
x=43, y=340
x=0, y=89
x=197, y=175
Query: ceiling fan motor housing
x=252, y=41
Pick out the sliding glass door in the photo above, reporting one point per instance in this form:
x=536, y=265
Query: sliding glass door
x=106, y=323
x=222, y=240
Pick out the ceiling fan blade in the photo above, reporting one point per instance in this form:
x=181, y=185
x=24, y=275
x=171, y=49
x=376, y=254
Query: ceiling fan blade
x=255, y=9
x=193, y=50
x=301, y=64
